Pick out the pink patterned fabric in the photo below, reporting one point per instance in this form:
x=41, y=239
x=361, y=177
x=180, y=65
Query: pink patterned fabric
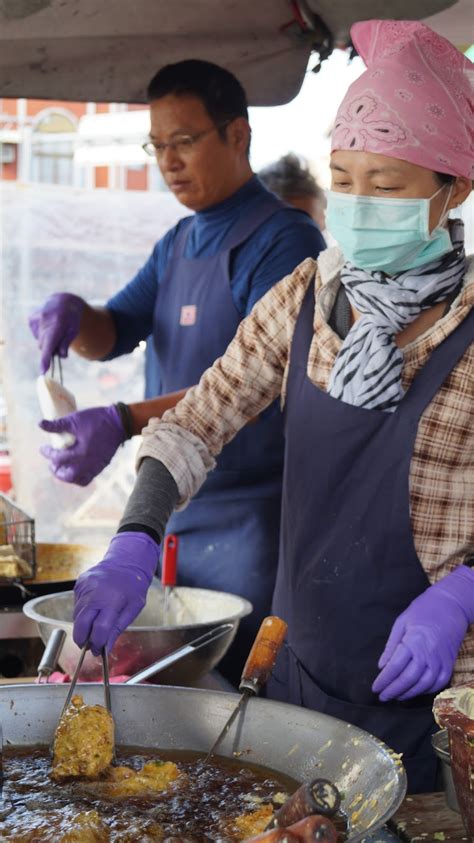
x=414, y=101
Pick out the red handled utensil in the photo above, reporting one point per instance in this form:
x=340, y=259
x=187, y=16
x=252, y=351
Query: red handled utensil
x=257, y=668
x=168, y=571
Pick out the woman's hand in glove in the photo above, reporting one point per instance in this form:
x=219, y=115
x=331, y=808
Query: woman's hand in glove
x=98, y=432
x=55, y=325
x=109, y=596
x=425, y=639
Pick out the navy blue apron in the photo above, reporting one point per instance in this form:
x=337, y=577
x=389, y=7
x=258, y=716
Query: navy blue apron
x=348, y=564
x=229, y=532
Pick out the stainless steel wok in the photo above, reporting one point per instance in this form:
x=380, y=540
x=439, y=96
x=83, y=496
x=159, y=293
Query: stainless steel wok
x=193, y=611
x=291, y=740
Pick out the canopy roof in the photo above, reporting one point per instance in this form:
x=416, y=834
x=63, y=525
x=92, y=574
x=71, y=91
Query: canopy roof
x=107, y=50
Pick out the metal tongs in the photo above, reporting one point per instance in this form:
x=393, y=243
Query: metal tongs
x=72, y=687
x=204, y=640
x=56, y=363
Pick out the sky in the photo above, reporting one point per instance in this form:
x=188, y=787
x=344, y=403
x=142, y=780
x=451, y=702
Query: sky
x=303, y=124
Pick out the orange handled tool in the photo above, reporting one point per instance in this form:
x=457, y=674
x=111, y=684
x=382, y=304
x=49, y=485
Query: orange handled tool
x=263, y=655
x=318, y=796
x=310, y=829
x=257, y=668
x=278, y=835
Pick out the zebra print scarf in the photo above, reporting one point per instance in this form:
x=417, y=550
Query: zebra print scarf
x=367, y=370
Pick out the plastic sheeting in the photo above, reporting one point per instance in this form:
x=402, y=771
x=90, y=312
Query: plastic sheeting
x=90, y=243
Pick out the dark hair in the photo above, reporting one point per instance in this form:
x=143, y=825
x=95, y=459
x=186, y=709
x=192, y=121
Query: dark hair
x=219, y=91
x=289, y=177
x=445, y=178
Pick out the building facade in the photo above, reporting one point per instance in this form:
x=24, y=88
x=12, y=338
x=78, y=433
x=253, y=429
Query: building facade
x=92, y=145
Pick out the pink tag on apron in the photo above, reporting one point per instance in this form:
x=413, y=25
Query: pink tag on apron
x=188, y=314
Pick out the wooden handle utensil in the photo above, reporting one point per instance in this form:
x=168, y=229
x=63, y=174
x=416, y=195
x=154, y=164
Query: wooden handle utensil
x=263, y=655
x=308, y=830
x=319, y=796
x=278, y=835
x=257, y=669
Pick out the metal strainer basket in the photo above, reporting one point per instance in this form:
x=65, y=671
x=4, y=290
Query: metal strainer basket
x=17, y=540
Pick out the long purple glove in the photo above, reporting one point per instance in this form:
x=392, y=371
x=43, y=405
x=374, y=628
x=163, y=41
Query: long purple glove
x=55, y=325
x=98, y=432
x=109, y=596
x=425, y=639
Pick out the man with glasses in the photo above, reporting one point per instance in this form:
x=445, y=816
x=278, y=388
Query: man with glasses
x=202, y=278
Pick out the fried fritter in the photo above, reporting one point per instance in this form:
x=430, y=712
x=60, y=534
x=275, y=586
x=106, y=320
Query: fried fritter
x=11, y=565
x=84, y=741
x=86, y=827
x=252, y=823
x=153, y=777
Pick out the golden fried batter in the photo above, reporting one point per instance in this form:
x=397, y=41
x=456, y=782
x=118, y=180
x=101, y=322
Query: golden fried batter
x=59, y=826
x=86, y=827
x=84, y=741
x=247, y=825
x=11, y=565
x=152, y=778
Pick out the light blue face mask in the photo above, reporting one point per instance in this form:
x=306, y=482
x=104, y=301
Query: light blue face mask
x=385, y=234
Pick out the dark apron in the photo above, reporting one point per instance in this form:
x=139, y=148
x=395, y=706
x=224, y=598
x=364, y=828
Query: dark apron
x=348, y=564
x=229, y=531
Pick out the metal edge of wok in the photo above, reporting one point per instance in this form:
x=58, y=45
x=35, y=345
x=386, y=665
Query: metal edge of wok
x=185, y=718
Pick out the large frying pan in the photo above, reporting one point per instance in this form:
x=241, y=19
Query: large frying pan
x=59, y=565
x=291, y=740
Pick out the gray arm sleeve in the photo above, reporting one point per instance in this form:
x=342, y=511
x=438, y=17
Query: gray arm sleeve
x=154, y=497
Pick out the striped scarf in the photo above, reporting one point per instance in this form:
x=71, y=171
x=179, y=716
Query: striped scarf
x=367, y=370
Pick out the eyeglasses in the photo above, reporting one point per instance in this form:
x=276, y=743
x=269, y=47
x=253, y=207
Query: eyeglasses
x=182, y=144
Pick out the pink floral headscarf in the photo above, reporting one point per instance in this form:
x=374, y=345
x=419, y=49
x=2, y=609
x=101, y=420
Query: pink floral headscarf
x=413, y=102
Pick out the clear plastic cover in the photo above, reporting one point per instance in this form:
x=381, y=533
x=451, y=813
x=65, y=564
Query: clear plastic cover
x=90, y=243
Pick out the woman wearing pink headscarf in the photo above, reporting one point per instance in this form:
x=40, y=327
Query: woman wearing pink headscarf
x=371, y=350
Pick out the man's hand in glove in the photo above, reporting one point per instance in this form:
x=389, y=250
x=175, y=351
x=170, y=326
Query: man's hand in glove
x=55, y=325
x=98, y=432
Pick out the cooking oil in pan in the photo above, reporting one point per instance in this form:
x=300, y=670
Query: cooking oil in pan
x=228, y=800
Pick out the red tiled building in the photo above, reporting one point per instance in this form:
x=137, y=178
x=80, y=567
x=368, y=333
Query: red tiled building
x=44, y=141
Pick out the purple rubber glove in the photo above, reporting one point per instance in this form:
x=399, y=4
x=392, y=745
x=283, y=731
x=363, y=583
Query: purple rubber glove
x=425, y=639
x=98, y=432
x=109, y=596
x=55, y=325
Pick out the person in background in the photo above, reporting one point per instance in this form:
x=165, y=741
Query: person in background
x=291, y=179
x=371, y=350
x=202, y=278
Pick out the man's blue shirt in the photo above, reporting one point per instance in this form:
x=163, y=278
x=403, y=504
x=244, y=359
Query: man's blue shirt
x=270, y=253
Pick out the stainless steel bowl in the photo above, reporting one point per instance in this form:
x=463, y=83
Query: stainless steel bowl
x=440, y=744
x=192, y=612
